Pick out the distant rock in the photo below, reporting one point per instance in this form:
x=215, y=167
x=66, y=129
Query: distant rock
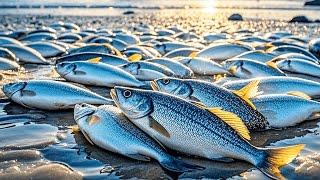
x=314, y=47
x=312, y=3
x=300, y=19
x=317, y=21
x=235, y=17
x=128, y=12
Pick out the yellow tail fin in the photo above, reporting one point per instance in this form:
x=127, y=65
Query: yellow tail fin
x=278, y=157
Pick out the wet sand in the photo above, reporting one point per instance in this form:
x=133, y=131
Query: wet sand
x=48, y=148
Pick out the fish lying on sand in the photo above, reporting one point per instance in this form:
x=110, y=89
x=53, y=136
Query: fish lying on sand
x=107, y=127
x=50, y=95
x=210, y=133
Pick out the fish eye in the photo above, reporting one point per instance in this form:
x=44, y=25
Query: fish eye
x=127, y=93
x=166, y=81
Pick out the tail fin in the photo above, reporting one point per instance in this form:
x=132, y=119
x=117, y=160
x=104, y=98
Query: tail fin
x=278, y=157
x=176, y=165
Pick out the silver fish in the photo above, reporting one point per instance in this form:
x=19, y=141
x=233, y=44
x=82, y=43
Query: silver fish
x=245, y=68
x=256, y=56
x=179, y=69
x=181, y=52
x=47, y=49
x=5, y=53
x=279, y=85
x=285, y=110
x=6, y=64
x=221, y=52
x=294, y=56
x=290, y=49
x=26, y=54
x=50, y=95
x=98, y=74
x=8, y=40
x=107, y=127
x=299, y=66
x=203, y=66
x=187, y=128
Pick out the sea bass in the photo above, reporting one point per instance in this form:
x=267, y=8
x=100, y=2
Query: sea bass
x=210, y=133
x=107, y=127
x=279, y=85
x=283, y=110
x=50, y=95
x=212, y=95
x=97, y=74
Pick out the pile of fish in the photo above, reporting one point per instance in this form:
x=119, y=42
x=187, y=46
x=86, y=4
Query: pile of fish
x=200, y=95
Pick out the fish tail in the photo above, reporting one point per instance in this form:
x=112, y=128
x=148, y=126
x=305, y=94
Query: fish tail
x=275, y=158
x=176, y=165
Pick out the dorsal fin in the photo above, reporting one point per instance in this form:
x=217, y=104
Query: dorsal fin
x=249, y=91
x=95, y=60
x=233, y=121
x=299, y=94
x=218, y=77
x=135, y=57
x=272, y=64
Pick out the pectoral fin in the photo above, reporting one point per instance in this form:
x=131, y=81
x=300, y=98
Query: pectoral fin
x=95, y=60
x=158, y=127
x=28, y=93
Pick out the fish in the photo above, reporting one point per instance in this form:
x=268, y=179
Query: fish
x=282, y=110
x=246, y=68
x=256, y=55
x=299, y=66
x=166, y=47
x=181, y=52
x=26, y=54
x=47, y=49
x=130, y=39
x=180, y=70
x=210, y=133
x=9, y=41
x=6, y=64
x=98, y=48
x=212, y=95
x=314, y=47
x=104, y=58
x=107, y=127
x=5, y=53
x=279, y=85
x=97, y=74
x=294, y=56
x=289, y=49
x=203, y=66
x=50, y=95
x=40, y=36
x=147, y=71
x=221, y=52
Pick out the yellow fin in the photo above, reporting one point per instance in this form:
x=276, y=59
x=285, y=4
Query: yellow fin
x=95, y=60
x=249, y=91
x=299, y=94
x=199, y=104
x=94, y=120
x=233, y=69
x=278, y=157
x=74, y=128
x=218, y=77
x=232, y=120
x=272, y=64
x=193, y=54
x=135, y=57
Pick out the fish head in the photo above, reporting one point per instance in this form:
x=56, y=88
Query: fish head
x=11, y=88
x=132, y=68
x=186, y=60
x=232, y=65
x=160, y=47
x=133, y=102
x=65, y=68
x=83, y=110
x=284, y=64
x=173, y=86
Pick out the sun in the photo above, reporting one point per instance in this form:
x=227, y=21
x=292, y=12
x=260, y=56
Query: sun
x=209, y=6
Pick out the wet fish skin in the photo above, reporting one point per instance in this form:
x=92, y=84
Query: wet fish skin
x=285, y=110
x=6, y=64
x=299, y=66
x=98, y=74
x=26, y=54
x=179, y=69
x=47, y=49
x=256, y=56
x=203, y=66
x=112, y=131
x=279, y=85
x=105, y=58
x=5, y=53
x=212, y=95
x=208, y=136
x=181, y=52
x=50, y=95
x=245, y=68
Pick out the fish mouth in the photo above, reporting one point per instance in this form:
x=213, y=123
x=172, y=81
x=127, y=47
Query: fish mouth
x=154, y=85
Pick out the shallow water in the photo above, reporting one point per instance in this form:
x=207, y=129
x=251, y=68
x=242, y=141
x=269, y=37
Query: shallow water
x=49, y=147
